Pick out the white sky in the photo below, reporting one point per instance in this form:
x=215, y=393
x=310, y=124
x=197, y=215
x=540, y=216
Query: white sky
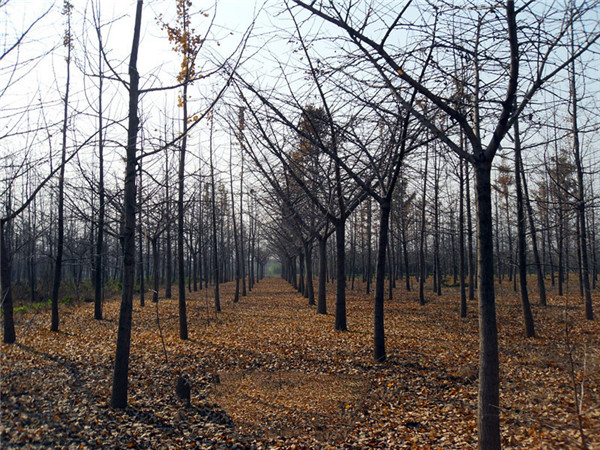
x=42, y=81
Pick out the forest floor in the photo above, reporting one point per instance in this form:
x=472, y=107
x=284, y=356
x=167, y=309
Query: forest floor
x=269, y=372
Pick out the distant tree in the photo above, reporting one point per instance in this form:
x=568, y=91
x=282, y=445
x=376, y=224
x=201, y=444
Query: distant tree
x=521, y=243
x=68, y=43
x=187, y=44
x=581, y=203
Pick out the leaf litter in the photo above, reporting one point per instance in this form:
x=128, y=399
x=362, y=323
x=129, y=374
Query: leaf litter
x=269, y=372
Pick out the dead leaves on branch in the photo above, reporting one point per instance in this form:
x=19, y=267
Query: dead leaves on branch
x=288, y=379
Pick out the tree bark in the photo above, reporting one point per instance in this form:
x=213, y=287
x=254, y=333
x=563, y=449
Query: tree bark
x=422, y=262
x=309, y=273
x=521, y=244
x=9, y=336
x=489, y=377
x=378, y=312
x=121, y=367
x=99, y=260
x=536, y=255
x=155, y=268
x=61, y=185
x=340, y=298
x=461, y=241
x=214, y=223
x=368, y=271
x=581, y=210
x=322, y=294
x=470, y=258
x=236, y=240
x=183, y=329
x=141, y=244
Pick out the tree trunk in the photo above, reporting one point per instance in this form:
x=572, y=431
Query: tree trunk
x=353, y=253
x=121, y=367
x=236, y=241
x=169, y=262
x=99, y=260
x=214, y=223
x=301, y=287
x=536, y=255
x=378, y=313
x=242, y=256
x=61, y=186
x=309, y=273
x=521, y=244
x=461, y=241
x=422, y=263
x=489, y=377
x=369, y=273
x=141, y=243
x=470, y=258
x=183, y=329
x=340, y=298
x=437, y=282
x=155, y=269
x=9, y=336
x=322, y=295
x=405, y=254
x=581, y=213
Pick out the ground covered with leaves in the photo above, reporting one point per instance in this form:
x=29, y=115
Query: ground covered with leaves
x=270, y=372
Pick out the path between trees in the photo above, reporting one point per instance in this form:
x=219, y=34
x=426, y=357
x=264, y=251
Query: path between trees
x=268, y=371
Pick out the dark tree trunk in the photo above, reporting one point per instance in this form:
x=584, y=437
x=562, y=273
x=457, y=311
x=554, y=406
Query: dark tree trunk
x=437, y=282
x=391, y=266
x=378, y=313
x=141, y=243
x=242, y=256
x=301, y=287
x=121, y=367
x=536, y=255
x=9, y=336
x=322, y=295
x=340, y=298
x=369, y=273
x=405, y=254
x=470, y=258
x=169, y=255
x=236, y=240
x=461, y=242
x=499, y=265
x=99, y=260
x=61, y=189
x=489, y=378
x=309, y=273
x=155, y=268
x=183, y=328
x=214, y=225
x=581, y=212
x=353, y=253
x=521, y=249
x=561, y=262
x=422, y=263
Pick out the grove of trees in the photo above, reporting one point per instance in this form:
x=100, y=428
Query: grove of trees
x=408, y=145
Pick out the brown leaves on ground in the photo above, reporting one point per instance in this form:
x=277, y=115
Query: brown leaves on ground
x=270, y=372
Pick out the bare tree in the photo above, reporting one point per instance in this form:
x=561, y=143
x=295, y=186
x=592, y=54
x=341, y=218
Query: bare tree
x=397, y=63
x=67, y=11
x=121, y=366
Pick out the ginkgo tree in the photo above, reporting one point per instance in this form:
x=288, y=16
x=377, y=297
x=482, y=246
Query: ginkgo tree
x=500, y=47
x=187, y=44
